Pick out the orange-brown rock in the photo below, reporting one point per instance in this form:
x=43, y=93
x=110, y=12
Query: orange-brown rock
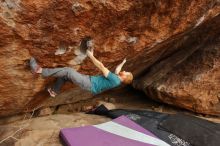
x=142, y=31
x=190, y=77
x=194, y=84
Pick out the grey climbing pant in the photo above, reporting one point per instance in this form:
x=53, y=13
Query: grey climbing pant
x=67, y=74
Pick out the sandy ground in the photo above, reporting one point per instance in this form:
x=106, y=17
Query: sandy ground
x=44, y=131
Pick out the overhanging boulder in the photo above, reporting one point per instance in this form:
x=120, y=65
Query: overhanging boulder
x=51, y=31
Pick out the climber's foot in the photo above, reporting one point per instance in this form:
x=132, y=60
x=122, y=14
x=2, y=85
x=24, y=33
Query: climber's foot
x=51, y=92
x=35, y=68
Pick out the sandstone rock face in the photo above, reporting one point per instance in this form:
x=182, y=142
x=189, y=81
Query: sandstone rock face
x=144, y=32
x=194, y=84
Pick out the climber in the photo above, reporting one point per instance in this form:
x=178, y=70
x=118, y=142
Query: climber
x=94, y=84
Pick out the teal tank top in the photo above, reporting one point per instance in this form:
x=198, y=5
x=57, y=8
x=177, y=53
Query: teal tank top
x=101, y=83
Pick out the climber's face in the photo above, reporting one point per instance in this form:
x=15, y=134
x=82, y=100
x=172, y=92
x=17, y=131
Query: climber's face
x=126, y=77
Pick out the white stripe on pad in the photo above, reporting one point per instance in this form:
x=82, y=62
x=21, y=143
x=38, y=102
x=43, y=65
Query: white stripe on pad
x=129, y=133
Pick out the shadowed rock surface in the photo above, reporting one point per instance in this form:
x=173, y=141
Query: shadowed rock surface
x=189, y=78
x=145, y=32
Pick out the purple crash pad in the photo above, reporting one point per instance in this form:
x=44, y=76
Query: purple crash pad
x=119, y=132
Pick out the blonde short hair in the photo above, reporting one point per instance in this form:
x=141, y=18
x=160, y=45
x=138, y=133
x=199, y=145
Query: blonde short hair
x=129, y=78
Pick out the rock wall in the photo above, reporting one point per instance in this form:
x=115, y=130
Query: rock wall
x=51, y=31
x=190, y=77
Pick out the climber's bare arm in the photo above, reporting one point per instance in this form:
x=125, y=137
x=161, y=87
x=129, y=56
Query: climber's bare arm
x=97, y=63
x=119, y=67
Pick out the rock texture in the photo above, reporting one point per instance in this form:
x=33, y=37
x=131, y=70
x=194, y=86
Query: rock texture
x=145, y=32
x=194, y=82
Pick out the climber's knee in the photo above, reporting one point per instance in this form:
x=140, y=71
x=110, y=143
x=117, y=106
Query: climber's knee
x=69, y=73
x=68, y=70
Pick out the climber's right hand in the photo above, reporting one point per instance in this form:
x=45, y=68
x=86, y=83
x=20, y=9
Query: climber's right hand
x=89, y=52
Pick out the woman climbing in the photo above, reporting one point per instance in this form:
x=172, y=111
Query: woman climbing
x=94, y=84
